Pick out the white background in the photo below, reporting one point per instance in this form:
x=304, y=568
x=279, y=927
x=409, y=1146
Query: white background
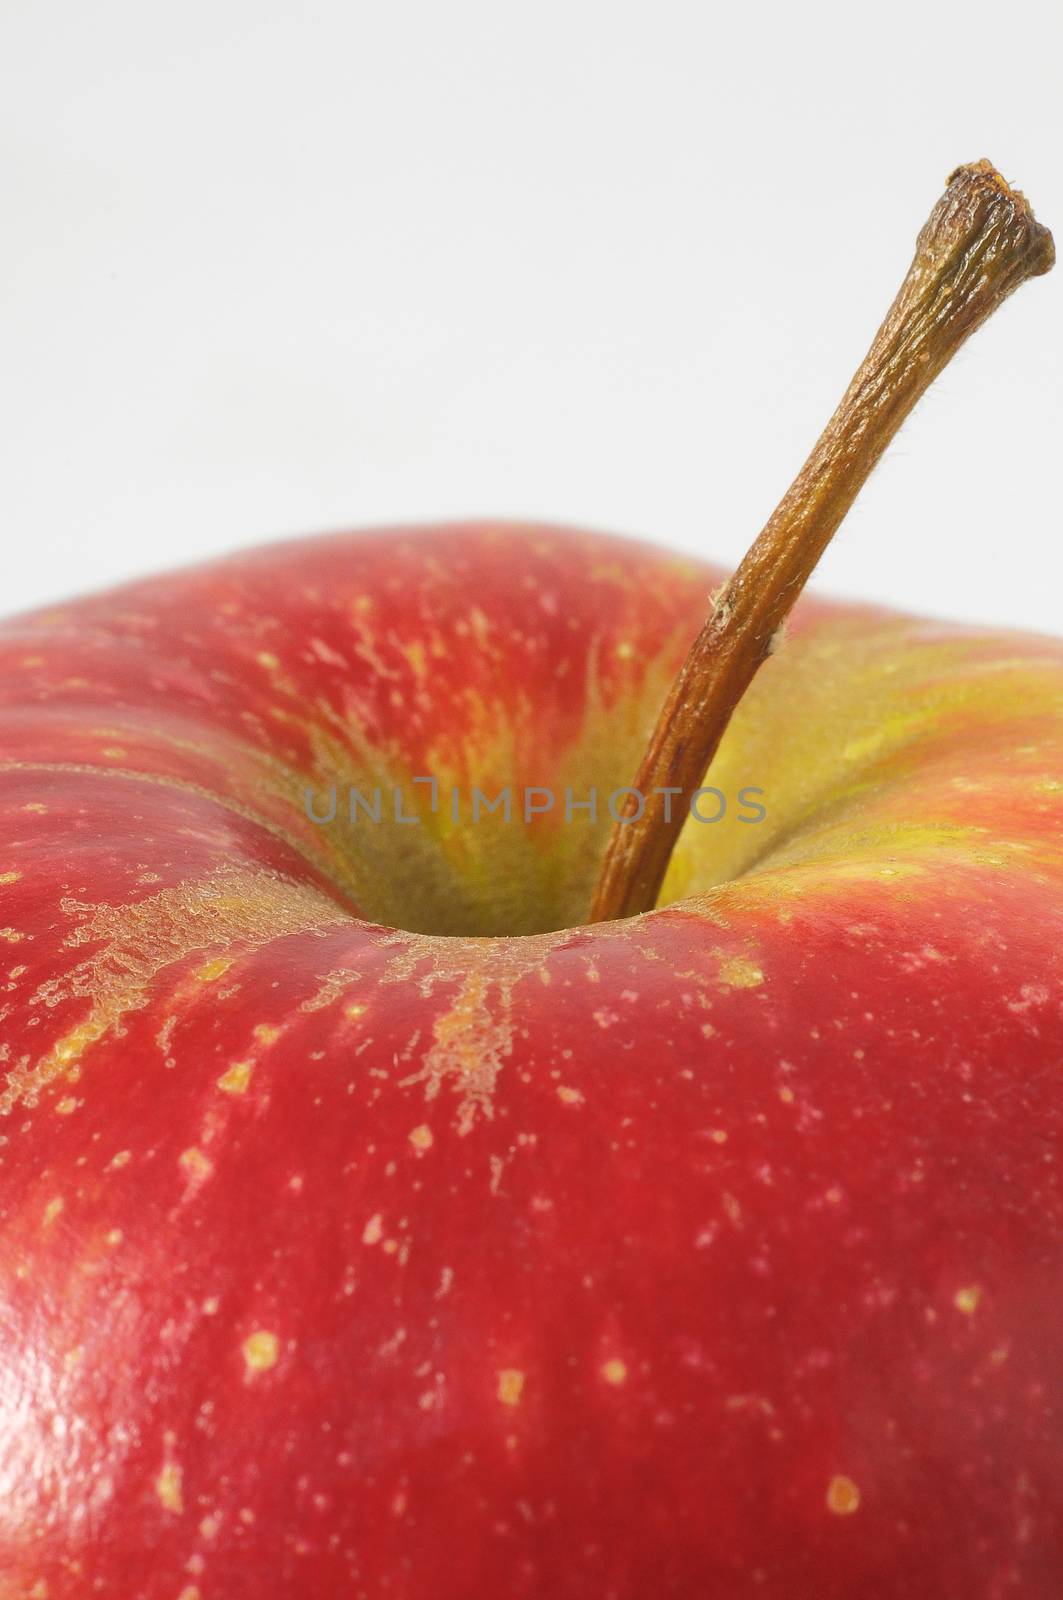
x=279, y=268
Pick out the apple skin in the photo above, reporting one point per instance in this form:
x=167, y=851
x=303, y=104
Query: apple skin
x=715, y=1252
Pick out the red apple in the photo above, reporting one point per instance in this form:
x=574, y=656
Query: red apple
x=374, y=1226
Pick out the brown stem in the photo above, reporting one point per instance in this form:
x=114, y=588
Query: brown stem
x=979, y=243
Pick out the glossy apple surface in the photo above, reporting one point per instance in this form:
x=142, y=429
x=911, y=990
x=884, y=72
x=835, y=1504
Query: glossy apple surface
x=372, y=1229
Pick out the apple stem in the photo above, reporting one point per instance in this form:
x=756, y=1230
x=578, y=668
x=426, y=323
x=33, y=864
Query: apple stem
x=979, y=243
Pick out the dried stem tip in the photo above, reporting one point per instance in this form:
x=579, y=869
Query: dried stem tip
x=979, y=243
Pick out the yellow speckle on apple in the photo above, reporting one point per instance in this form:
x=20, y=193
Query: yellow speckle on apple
x=168, y=1488
x=738, y=973
x=210, y=971
x=966, y=1299
x=261, y=1350
x=236, y=1078
x=843, y=1496
x=194, y=1164
x=510, y=1386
